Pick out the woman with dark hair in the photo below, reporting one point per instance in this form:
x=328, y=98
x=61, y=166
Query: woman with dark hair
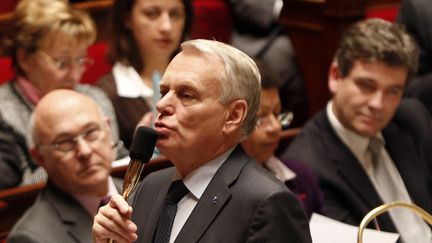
x=146, y=34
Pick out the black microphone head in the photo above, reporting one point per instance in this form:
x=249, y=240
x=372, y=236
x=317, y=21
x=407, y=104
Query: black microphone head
x=143, y=144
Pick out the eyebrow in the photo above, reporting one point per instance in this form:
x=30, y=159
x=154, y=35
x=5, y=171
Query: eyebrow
x=86, y=127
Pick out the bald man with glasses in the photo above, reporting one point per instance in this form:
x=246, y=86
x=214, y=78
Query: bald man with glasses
x=72, y=142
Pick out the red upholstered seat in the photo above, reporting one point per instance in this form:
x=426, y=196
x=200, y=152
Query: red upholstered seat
x=6, y=71
x=212, y=20
x=100, y=67
x=7, y=6
x=388, y=12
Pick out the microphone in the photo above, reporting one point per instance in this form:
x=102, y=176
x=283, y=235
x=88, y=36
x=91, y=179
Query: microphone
x=140, y=152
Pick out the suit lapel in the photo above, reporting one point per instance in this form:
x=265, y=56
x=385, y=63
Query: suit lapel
x=71, y=213
x=402, y=151
x=348, y=165
x=214, y=199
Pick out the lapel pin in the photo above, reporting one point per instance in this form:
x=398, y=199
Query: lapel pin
x=214, y=200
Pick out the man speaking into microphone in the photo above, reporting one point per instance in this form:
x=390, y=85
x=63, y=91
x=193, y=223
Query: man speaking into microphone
x=215, y=192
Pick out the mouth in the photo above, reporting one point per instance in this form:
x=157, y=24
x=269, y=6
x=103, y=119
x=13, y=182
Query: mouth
x=162, y=129
x=368, y=119
x=164, y=41
x=90, y=169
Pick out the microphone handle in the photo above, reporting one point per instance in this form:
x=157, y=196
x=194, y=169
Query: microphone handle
x=132, y=178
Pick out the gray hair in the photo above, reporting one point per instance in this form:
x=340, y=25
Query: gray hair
x=241, y=79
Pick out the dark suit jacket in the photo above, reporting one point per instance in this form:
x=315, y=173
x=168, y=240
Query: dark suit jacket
x=416, y=15
x=252, y=206
x=14, y=156
x=348, y=193
x=55, y=217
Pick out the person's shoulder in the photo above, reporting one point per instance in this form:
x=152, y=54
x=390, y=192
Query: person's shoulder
x=411, y=112
x=35, y=222
x=6, y=90
x=95, y=92
x=308, y=146
x=258, y=181
x=107, y=84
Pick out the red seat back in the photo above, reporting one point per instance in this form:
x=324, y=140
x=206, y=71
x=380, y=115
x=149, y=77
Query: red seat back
x=212, y=20
x=388, y=12
x=101, y=65
x=6, y=71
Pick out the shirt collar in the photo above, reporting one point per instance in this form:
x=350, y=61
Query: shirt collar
x=198, y=180
x=28, y=89
x=91, y=202
x=279, y=169
x=356, y=143
x=129, y=83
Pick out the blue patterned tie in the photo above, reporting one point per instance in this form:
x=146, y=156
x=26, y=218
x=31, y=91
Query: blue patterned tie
x=176, y=192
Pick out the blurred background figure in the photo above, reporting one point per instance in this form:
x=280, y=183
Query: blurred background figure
x=48, y=45
x=416, y=15
x=257, y=32
x=145, y=37
x=262, y=143
x=72, y=142
x=14, y=156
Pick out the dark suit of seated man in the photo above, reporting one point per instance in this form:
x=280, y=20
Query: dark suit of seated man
x=14, y=156
x=372, y=65
x=210, y=96
x=72, y=142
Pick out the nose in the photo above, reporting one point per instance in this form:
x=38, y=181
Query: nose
x=377, y=101
x=165, y=22
x=165, y=105
x=274, y=125
x=74, y=74
x=83, y=148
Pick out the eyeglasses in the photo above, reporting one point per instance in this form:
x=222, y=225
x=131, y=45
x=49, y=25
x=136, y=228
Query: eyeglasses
x=284, y=119
x=90, y=136
x=63, y=64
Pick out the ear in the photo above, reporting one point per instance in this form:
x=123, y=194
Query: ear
x=23, y=59
x=334, y=77
x=235, y=117
x=37, y=156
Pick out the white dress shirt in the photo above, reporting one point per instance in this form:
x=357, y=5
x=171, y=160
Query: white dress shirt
x=410, y=226
x=130, y=84
x=196, y=182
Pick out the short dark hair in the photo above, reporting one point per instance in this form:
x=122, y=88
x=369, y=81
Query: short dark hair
x=377, y=40
x=123, y=47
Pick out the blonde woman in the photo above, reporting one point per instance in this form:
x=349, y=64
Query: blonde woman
x=48, y=45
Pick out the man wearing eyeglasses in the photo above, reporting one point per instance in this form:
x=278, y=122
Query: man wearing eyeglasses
x=47, y=54
x=72, y=142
